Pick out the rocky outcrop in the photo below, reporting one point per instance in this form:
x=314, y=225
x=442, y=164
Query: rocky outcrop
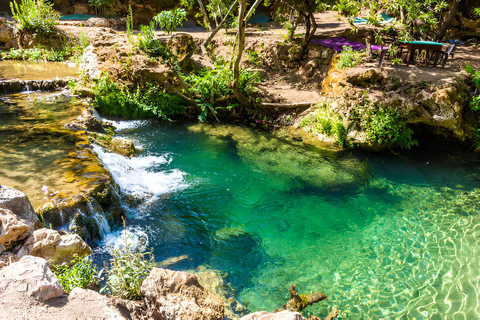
x=7, y=35
x=17, y=217
x=57, y=247
x=12, y=229
x=15, y=85
x=29, y=277
x=17, y=202
x=282, y=315
x=356, y=95
x=178, y=295
x=183, y=46
x=28, y=289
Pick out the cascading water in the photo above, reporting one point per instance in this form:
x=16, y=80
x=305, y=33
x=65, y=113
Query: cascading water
x=383, y=236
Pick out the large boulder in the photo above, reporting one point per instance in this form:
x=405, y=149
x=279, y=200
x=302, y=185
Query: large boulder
x=30, y=277
x=178, y=295
x=183, y=46
x=282, y=315
x=12, y=229
x=7, y=35
x=18, y=203
x=54, y=246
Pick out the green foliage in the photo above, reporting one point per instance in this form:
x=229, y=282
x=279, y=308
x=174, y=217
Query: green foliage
x=35, y=16
x=171, y=19
x=326, y=121
x=129, y=266
x=114, y=99
x=254, y=56
x=80, y=274
x=149, y=45
x=349, y=58
x=100, y=5
x=475, y=102
x=212, y=88
x=384, y=126
x=83, y=39
x=129, y=32
x=38, y=54
x=476, y=11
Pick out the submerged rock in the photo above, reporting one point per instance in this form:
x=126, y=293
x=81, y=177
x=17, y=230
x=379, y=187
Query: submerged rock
x=178, y=295
x=57, y=247
x=30, y=277
x=291, y=160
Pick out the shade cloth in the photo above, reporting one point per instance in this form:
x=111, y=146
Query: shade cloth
x=338, y=43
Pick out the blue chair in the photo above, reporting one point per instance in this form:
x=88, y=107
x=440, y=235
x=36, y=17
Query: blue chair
x=448, y=52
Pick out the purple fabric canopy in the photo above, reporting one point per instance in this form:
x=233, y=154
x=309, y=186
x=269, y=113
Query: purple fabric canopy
x=338, y=43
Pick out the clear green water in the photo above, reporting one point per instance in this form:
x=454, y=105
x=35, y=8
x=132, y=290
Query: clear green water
x=383, y=236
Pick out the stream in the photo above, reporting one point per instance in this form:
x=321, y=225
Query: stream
x=254, y=212
x=382, y=235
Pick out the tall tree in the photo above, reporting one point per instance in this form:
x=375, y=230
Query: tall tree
x=243, y=17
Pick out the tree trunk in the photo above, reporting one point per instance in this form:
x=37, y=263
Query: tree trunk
x=447, y=21
x=240, y=46
x=238, y=56
x=205, y=14
x=214, y=32
x=312, y=27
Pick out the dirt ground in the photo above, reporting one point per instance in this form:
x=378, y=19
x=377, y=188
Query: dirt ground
x=287, y=85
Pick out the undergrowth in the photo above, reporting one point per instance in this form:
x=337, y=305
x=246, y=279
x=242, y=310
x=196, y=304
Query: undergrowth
x=385, y=126
x=349, y=58
x=129, y=266
x=326, y=121
x=112, y=98
x=35, y=16
x=80, y=274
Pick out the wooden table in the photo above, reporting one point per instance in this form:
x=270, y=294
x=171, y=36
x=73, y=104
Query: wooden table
x=432, y=49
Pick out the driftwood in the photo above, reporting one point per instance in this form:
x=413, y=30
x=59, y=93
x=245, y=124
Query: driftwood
x=298, y=302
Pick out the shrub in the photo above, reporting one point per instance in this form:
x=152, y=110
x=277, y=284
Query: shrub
x=113, y=99
x=170, y=20
x=35, y=16
x=326, y=121
x=384, y=126
x=212, y=87
x=149, y=45
x=80, y=274
x=129, y=266
x=349, y=58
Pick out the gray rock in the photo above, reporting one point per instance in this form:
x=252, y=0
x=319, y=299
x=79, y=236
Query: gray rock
x=30, y=277
x=17, y=202
x=56, y=247
x=12, y=229
x=178, y=295
x=282, y=315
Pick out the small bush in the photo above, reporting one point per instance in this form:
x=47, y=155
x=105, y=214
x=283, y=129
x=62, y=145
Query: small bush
x=349, y=58
x=384, y=126
x=81, y=274
x=327, y=122
x=35, y=16
x=129, y=266
x=149, y=45
x=171, y=19
x=114, y=99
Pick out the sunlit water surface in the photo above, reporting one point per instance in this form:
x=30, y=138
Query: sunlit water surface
x=383, y=236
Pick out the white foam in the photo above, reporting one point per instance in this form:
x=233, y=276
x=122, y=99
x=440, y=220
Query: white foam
x=142, y=176
x=131, y=237
x=124, y=125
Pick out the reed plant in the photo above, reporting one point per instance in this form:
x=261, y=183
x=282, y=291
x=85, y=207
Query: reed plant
x=35, y=16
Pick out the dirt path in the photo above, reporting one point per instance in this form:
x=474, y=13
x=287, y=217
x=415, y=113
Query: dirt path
x=288, y=85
